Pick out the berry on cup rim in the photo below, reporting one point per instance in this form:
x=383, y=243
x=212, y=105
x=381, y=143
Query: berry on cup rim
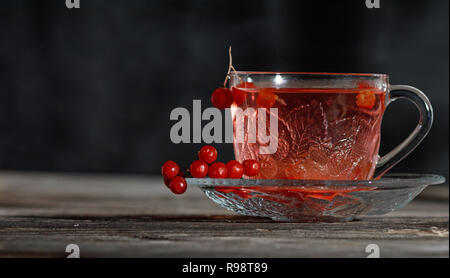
x=266, y=98
x=222, y=98
x=239, y=96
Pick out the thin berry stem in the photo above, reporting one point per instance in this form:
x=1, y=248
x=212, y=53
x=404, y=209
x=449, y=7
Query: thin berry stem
x=230, y=67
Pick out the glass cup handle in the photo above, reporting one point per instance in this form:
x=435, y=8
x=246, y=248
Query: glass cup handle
x=422, y=103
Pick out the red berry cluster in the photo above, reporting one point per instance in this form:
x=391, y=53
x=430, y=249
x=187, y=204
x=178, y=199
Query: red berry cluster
x=174, y=177
x=223, y=98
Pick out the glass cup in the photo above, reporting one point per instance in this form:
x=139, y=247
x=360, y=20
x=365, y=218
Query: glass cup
x=325, y=126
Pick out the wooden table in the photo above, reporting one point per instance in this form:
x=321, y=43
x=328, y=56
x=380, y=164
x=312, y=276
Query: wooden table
x=136, y=216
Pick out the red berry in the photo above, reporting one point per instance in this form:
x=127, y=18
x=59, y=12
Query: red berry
x=266, y=98
x=222, y=98
x=207, y=154
x=167, y=181
x=366, y=99
x=235, y=169
x=218, y=171
x=170, y=169
x=246, y=85
x=178, y=185
x=239, y=96
x=364, y=85
x=251, y=167
x=199, y=169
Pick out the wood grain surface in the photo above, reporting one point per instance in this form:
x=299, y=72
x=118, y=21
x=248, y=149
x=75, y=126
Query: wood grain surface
x=136, y=216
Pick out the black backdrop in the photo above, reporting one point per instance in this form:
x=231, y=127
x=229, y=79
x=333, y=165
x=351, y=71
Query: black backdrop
x=91, y=89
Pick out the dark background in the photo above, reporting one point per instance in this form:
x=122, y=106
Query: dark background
x=91, y=89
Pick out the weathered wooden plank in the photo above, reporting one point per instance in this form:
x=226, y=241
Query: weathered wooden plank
x=218, y=236
x=135, y=216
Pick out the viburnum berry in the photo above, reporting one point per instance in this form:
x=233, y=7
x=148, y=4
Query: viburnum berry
x=246, y=85
x=222, y=98
x=178, y=185
x=170, y=169
x=251, y=167
x=239, y=95
x=198, y=169
x=167, y=181
x=266, y=98
x=207, y=154
x=364, y=84
x=235, y=169
x=366, y=99
x=218, y=170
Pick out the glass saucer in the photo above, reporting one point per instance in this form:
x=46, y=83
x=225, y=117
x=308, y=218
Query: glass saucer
x=315, y=200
